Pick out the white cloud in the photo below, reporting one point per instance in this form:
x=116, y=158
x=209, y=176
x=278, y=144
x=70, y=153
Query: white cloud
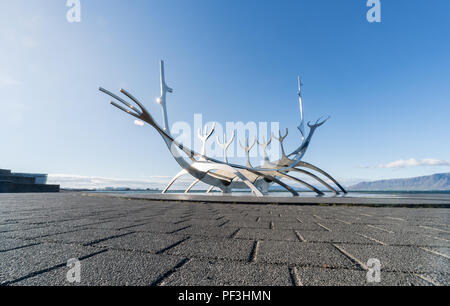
x=412, y=162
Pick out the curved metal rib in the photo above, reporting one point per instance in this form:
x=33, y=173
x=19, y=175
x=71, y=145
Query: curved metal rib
x=285, y=186
x=272, y=178
x=180, y=174
x=312, y=167
x=316, y=178
x=302, y=182
x=192, y=185
x=247, y=182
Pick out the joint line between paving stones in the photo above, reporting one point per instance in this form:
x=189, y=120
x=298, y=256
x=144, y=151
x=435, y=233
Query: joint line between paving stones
x=234, y=233
x=295, y=279
x=20, y=247
x=107, y=238
x=380, y=228
x=223, y=223
x=370, y=238
x=254, y=252
x=172, y=245
x=351, y=257
x=162, y=278
x=348, y=223
x=323, y=226
x=7, y=283
x=300, y=237
x=179, y=230
x=428, y=280
x=435, y=229
x=434, y=252
x=178, y=222
x=125, y=227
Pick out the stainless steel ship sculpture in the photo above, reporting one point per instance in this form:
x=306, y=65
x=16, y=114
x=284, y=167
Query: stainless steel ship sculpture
x=224, y=175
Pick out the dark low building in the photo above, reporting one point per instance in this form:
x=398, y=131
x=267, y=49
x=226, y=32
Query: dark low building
x=24, y=182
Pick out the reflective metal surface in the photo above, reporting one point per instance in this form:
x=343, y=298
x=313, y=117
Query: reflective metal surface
x=222, y=174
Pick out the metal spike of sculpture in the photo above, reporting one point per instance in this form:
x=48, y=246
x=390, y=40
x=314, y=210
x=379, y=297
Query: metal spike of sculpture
x=247, y=150
x=281, y=139
x=225, y=145
x=264, y=144
x=222, y=174
x=205, y=136
x=301, y=127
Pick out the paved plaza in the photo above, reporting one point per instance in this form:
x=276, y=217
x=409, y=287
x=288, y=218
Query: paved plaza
x=121, y=241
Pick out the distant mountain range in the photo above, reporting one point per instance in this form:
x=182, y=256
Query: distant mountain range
x=440, y=181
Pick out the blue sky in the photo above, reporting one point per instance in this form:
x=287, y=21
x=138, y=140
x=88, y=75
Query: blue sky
x=385, y=85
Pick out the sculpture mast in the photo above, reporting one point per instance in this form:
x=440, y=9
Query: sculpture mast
x=301, y=127
x=162, y=99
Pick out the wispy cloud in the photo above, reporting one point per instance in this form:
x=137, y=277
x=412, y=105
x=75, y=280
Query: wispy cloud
x=412, y=162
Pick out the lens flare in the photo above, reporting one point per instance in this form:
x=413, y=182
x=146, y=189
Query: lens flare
x=139, y=122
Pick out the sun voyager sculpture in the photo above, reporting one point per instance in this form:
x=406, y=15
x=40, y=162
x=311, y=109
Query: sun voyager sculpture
x=227, y=176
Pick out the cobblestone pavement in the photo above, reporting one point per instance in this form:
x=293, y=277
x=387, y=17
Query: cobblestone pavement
x=138, y=242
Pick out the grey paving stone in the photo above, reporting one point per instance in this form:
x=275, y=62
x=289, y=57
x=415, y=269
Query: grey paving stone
x=311, y=276
x=79, y=223
x=302, y=253
x=266, y=234
x=400, y=258
x=437, y=279
x=38, y=232
x=401, y=228
x=409, y=239
x=203, y=222
x=112, y=225
x=146, y=242
x=19, y=263
x=163, y=234
x=83, y=236
x=306, y=226
x=169, y=219
x=248, y=224
x=16, y=227
x=112, y=268
x=208, y=231
x=8, y=244
x=159, y=227
x=435, y=227
x=224, y=273
x=334, y=237
x=277, y=218
x=215, y=248
x=339, y=226
x=445, y=251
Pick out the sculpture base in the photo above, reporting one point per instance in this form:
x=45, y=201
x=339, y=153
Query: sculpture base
x=416, y=200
